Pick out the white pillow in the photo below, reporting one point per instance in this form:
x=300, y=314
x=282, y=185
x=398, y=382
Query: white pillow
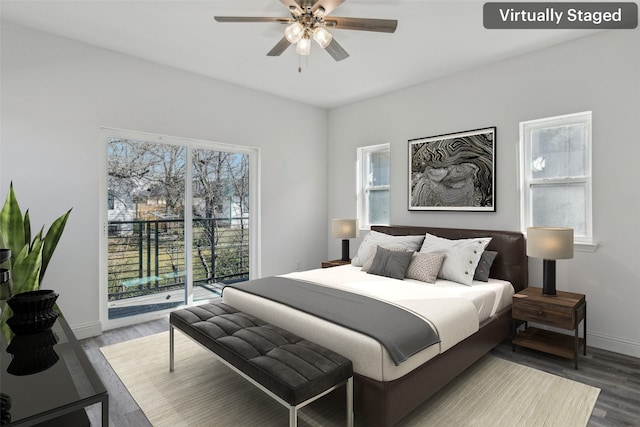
x=375, y=238
x=462, y=257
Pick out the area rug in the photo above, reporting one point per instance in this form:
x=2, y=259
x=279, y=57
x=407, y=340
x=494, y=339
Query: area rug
x=204, y=392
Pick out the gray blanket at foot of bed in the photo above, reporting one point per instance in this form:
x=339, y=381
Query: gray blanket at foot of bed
x=401, y=332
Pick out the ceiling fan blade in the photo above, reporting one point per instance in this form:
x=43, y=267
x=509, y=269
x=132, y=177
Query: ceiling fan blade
x=280, y=47
x=362, y=24
x=297, y=5
x=328, y=5
x=250, y=19
x=336, y=51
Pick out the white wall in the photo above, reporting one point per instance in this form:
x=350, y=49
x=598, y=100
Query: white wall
x=56, y=94
x=600, y=73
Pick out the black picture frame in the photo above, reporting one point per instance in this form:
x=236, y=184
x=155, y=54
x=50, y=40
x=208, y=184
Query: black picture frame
x=453, y=172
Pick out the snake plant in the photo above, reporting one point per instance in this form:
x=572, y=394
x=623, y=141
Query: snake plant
x=29, y=258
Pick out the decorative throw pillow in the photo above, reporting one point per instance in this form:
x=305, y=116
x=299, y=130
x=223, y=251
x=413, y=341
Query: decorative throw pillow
x=367, y=264
x=462, y=257
x=484, y=265
x=425, y=266
x=375, y=238
x=392, y=264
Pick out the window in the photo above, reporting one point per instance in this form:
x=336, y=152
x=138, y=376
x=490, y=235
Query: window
x=177, y=224
x=556, y=173
x=373, y=185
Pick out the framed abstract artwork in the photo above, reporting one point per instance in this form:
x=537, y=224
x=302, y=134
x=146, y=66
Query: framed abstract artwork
x=453, y=172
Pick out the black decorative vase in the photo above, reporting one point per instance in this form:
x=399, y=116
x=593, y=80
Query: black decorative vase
x=32, y=311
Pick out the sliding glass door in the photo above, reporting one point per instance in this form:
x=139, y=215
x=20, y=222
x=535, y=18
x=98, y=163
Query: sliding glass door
x=178, y=223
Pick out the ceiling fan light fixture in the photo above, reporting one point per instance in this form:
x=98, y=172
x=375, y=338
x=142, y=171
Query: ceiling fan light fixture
x=294, y=32
x=304, y=46
x=295, y=12
x=319, y=12
x=322, y=37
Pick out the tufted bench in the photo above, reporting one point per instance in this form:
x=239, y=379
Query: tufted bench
x=290, y=369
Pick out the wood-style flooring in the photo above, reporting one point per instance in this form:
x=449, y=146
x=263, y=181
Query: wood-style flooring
x=618, y=377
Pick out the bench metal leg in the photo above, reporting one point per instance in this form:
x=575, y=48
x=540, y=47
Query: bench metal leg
x=293, y=416
x=171, y=348
x=350, y=402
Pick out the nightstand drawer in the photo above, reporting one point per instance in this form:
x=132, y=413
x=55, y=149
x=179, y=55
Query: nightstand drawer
x=559, y=317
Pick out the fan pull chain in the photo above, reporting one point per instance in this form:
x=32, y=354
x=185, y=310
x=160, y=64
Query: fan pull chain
x=300, y=62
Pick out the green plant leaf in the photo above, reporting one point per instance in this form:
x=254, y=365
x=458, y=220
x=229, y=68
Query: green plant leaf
x=27, y=227
x=12, y=224
x=51, y=240
x=25, y=272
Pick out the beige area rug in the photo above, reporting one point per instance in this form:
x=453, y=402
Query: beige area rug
x=204, y=392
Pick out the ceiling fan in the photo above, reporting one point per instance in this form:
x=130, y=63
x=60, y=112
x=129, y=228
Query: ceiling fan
x=309, y=20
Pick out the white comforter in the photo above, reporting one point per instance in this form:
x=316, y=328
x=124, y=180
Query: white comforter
x=455, y=312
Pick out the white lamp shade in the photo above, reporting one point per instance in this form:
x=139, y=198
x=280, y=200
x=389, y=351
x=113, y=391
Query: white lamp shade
x=344, y=228
x=303, y=47
x=322, y=37
x=550, y=242
x=294, y=32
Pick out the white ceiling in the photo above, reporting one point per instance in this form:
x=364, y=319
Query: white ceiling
x=433, y=39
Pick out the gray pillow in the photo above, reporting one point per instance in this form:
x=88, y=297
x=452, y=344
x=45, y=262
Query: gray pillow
x=367, y=264
x=425, y=266
x=484, y=265
x=392, y=264
x=375, y=238
x=462, y=257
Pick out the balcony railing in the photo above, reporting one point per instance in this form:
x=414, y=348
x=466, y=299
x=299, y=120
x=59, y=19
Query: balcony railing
x=148, y=256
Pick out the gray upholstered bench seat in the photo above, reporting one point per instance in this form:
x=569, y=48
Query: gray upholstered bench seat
x=290, y=369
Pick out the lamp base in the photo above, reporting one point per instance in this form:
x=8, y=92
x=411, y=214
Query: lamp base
x=549, y=277
x=345, y=250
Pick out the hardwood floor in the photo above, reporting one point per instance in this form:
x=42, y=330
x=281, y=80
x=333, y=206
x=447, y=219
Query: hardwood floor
x=618, y=377
x=123, y=410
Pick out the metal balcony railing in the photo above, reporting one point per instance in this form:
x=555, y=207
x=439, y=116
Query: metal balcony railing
x=148, y=256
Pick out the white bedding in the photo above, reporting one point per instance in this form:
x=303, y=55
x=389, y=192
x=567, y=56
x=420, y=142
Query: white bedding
x=454, y=310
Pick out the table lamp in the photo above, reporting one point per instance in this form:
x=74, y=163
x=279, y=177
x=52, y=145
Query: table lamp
x=550, y=244
x=344, y=229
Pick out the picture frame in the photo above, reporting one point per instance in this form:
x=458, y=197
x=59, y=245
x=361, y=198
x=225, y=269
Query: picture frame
x=453, y=172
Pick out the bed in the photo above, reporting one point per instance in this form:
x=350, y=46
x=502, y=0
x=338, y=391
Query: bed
x=387, y=391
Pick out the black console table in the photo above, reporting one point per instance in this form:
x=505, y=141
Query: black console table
x=49, y=380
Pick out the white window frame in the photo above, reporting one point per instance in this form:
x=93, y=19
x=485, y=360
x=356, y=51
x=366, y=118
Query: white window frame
x=363, y=189
x=255, y=263
x=527, y=182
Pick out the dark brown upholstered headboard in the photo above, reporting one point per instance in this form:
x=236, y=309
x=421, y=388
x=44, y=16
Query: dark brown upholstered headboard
x=510, y=264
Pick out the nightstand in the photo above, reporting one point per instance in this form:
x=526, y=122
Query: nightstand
x=334, y=263
x=564, y=311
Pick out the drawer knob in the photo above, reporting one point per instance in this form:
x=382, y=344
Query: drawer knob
x=540, y=313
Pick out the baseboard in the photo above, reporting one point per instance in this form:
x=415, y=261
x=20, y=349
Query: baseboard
x=87, y=330
x=614, y=344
